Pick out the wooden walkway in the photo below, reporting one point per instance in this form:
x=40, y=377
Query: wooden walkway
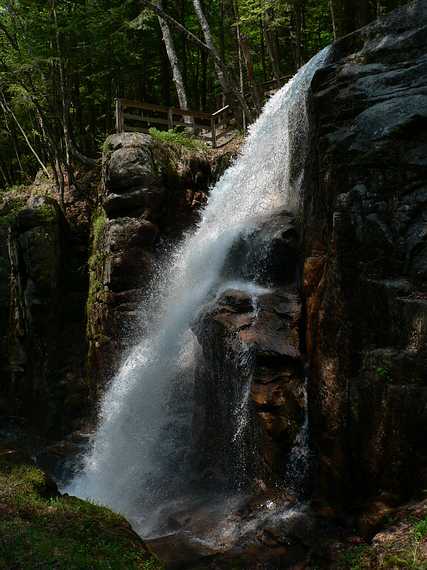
x=213, y=128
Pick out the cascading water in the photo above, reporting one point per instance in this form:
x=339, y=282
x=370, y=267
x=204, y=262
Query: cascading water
x=138, y=456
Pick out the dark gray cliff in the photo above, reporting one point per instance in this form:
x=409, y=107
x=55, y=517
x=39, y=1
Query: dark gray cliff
x=365, y=273
x=42, y=299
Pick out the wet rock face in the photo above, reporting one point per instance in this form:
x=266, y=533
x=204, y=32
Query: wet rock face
x=150, y=194
x=267, y=251
x=366, y=260
x=249, y=386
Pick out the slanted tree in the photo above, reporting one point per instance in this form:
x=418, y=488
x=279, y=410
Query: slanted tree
x=173, y=59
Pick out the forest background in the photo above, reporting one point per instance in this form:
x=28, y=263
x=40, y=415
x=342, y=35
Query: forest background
x=63, y=63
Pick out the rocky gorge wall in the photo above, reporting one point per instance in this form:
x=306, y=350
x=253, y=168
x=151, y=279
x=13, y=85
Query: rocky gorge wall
x=365, y=268
x=42, y=298
x=348, y=311
x=70, y=285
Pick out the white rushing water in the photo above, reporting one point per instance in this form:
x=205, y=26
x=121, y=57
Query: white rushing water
x=133, y=457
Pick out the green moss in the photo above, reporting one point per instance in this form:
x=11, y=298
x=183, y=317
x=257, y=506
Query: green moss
x=98, y=224
x=178, y=138
x=106, y=146
x=96, y=265
x=60, y=532
x=47, y=213
x=10, y=210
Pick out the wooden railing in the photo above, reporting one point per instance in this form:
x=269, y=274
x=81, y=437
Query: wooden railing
x=139, y=116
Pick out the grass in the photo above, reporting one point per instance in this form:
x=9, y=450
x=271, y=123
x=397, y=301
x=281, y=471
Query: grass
x=178, y=138
x=404, y=552
x=354, y=558
x=40, y=530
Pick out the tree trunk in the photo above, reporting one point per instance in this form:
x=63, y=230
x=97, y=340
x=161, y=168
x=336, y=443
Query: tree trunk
x=225, y=82
x=271, y=44
x=64, y=104
x=250, y=71
x=6, y=108
x=363, y=15
x=346, y=17
x=298, y=17
x=245, y=52
x=173, y=60
x=232, y=86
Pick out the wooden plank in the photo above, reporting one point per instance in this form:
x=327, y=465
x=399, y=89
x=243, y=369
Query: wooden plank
x=139, y=105
x=132, y=117
x=129, y=103
x=196, y=125
x=157, y=120
x=220, y=111
x=136, y=129
x=195, y=114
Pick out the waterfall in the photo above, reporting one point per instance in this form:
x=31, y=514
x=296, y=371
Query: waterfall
x=138, y=455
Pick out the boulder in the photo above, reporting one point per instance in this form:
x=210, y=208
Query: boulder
x=150, y=194
x=249, y=384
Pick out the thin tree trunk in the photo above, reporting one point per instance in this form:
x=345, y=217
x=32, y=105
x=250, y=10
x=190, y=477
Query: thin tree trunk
x=13, y=139
x=261, y=29
x=173, y=60
x=363, y=16
x=223, y=78
x=381, y=9
x=270, y=43
x=6, y=108
x=3, y=173
x=239, y=50
x=250, y=71
x=233, y=87
x=64, y=104
x=245, y=53
x=298, y=19
x=346, y=17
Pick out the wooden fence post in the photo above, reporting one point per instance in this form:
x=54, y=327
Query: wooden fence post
x=213, y=128
x=120, y=120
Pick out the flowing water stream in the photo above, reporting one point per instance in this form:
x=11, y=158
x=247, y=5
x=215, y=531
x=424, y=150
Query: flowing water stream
x=137, y=458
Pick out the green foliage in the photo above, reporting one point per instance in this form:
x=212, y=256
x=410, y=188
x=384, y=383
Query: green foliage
x=113, y=48
x=384, y=373
x=353, y=558
x=41, y=531
x=420, y=529
x=176, y=137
